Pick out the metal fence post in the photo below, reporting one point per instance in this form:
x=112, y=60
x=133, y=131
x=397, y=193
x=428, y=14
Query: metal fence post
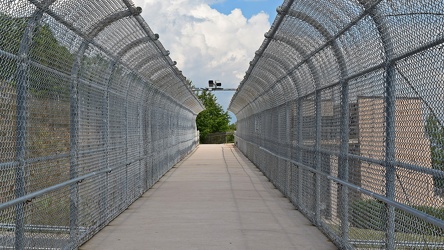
x=106, y=137
x=390, y=100
x=318, y=158
x=299, y=151
x=21, y=124
x=390, y=107
x=343, y=168
x=74, y=151
x=142, y=159
x=126, y=132
x=289, y=171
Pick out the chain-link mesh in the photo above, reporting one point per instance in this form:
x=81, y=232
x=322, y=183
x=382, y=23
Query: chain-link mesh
x=342, y=108
x=93, y=113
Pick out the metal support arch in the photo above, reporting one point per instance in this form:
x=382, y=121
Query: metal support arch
x=21, y=124
x=390, y=100
x=345, y=114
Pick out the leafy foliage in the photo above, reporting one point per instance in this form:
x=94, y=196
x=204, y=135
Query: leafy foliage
x=232, y=127
x=11, y=31
x=213, y=119
x=45, y=50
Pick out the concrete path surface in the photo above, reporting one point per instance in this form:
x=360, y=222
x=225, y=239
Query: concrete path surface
x=214, y=199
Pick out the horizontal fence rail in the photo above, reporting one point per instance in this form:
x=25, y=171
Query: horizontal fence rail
x=93, y=112
x=342, y=108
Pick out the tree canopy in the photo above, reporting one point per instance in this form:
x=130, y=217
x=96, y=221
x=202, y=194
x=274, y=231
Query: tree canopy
x=213, y=119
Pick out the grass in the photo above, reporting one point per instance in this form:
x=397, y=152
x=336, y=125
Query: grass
x=369, y=234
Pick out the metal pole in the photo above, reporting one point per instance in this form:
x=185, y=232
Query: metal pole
x=299, y=153
x=147, y=141
x=288, y=146
x=318, y=158
x=390, y=100
x=21, y=123
x=152, y=144
x=390, y=107
x=142, y=162
x=74, y=129
x=343, y=168
x=106, y=137
x=169, y=140
x=126, y=140
x=22, y=86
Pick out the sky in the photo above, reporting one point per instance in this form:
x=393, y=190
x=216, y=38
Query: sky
x=211, y=39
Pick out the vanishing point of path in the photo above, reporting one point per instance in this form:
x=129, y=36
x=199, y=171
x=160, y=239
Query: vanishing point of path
x=214, y=199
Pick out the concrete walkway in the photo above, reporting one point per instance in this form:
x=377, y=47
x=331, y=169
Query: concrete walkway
x=214, y=199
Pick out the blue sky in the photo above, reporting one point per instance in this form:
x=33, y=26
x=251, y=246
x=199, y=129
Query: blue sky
x=211, y=39
x=249, y=7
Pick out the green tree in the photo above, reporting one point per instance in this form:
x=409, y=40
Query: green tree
x=435, y=132
x=213, y=119
x=232, y=127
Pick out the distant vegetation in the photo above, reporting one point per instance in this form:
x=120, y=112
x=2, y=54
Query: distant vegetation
x=44, y=50
x=48, y=65
x=213, y=119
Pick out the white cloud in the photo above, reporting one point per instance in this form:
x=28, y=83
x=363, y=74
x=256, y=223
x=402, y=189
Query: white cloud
x=205, y=43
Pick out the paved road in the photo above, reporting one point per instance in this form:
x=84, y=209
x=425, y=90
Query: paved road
x=214, y=199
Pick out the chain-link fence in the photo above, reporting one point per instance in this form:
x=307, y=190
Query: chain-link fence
x=219, y=138
x=93, y=112
x=343, y=109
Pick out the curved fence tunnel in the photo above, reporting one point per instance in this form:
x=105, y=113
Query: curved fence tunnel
x=342, y=109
